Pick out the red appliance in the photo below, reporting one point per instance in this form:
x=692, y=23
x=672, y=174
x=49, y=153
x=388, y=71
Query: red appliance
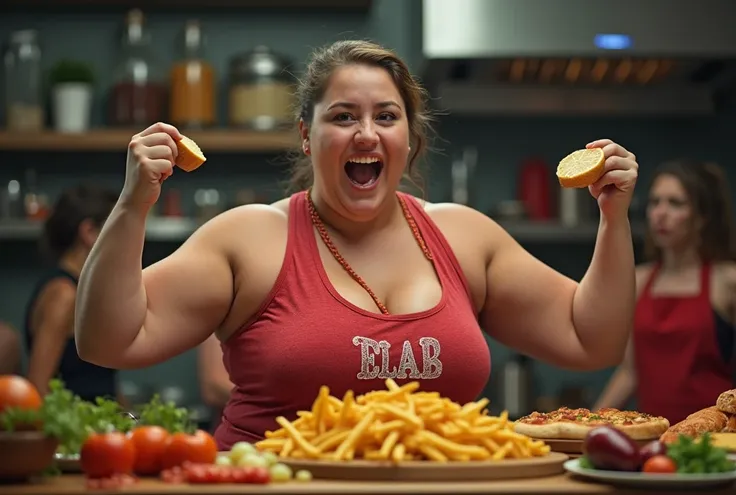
x=534, y=189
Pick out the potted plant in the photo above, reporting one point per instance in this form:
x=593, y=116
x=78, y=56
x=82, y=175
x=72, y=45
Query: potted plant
x=71, y=84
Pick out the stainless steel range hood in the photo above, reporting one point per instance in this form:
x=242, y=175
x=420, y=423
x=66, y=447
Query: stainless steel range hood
x=584, y=57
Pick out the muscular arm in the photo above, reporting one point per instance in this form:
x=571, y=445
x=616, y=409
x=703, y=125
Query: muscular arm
x=622, y=384
x=531, y=307
x=130, y=318
x=52, y=329
x=214, y=381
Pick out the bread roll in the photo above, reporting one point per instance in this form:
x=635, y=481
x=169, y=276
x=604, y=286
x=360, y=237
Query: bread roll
x=727, y=402
x=731, y=425
x=706, y=420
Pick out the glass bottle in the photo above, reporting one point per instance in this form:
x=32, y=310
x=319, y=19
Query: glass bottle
x=192, y=83
x=24, y=102
x=138, y=94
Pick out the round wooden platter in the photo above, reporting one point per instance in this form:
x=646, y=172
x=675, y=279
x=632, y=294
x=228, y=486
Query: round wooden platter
x=360, y=470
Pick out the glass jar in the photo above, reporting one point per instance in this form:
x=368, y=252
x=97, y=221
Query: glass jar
x=261, y=91
x=23, y=82
x=138, y=94
x=192, y=83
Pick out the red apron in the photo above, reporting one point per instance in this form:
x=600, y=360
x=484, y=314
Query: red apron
x=678, y=365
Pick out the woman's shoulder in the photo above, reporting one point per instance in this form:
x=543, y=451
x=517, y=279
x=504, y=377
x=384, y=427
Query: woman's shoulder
x=725, y=273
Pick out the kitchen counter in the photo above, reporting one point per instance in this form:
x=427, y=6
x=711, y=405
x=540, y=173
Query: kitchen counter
x=562, y=484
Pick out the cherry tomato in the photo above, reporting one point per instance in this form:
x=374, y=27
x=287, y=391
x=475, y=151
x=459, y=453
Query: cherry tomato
x=197, y=448
x=197, y=474
x=173, y=475
x=150, y=444
x=226, y=474
x=215, y=474
x=107, y=454
x=242, y=474
x=260, y=475
x=659, y=464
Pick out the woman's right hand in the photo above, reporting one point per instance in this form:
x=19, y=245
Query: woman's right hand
x=151, y=156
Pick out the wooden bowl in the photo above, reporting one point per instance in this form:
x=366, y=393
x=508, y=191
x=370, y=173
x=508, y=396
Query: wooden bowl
x=25, y=453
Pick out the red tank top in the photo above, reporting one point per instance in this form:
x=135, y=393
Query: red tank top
x=679, y=367
x=306, y=335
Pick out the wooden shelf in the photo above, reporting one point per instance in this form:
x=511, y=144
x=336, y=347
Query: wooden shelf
x=226, y=140
x=179, y=229
x=157, y=229
x=151, y=5
x=555, y=233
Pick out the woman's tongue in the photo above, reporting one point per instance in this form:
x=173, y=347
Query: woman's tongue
x=361, y=174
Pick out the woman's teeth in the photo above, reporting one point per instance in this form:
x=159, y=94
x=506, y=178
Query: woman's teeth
x=363, y=172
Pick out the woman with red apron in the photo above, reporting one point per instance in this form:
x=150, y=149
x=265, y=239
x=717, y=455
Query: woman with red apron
x=682, y=348
x=680, y=354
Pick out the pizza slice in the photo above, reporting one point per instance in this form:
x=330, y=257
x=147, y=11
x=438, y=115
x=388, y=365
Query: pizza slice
x=574, y=424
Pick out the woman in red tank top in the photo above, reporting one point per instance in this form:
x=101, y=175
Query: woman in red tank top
x=680, y=358
x=348, y=281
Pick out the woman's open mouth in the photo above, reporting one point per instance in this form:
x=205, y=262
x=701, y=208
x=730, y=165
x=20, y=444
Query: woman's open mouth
x=363, y=172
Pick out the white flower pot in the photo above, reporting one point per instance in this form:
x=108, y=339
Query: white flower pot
x=72, y=104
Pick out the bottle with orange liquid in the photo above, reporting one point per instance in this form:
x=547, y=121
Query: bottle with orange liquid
x=192, y=83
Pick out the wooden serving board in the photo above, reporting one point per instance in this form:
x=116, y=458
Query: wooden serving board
x=360, y=470
x=574, y=448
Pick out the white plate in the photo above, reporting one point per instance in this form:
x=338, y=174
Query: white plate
x=68, y=463
x=646, y=480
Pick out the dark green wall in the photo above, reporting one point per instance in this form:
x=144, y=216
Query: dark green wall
x=502, y=142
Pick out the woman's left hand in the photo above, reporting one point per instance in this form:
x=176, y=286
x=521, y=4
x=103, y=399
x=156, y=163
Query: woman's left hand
x=615, y=188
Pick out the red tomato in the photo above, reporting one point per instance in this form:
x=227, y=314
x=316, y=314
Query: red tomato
x=241, y=474
x=659, y=464
x=150, y=444
x=197, y=474
x=260, y=475
x=172, y=476
x=199, y=448
x=16, y=391
x=107, y=454
x=227, y=474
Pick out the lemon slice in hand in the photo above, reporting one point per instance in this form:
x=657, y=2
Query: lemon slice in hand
x=581, y=168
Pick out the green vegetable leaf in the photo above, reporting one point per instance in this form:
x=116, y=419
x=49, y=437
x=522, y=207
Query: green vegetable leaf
x=166, y=415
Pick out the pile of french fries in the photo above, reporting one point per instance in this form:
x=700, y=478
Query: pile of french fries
x=398, y=424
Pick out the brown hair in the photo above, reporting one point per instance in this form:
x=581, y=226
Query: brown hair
x=312, y=87
x=707, y=190
x=74, y=205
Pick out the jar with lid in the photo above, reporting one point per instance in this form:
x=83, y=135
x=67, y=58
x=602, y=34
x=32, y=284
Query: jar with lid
x=138, y=95
x=192, y=83
x=24, y=101
x=261, y=91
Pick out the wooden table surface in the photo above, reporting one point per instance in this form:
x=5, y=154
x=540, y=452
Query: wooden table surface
x=562, y=484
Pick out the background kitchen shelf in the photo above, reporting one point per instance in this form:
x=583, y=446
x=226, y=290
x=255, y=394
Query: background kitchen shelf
x=179, y=229
x=157, y=229
x=552, y=232
x=302, y=5
x=225, y=140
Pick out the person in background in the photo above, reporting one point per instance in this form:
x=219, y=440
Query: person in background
x=214, y=382
x=680, y=356
x=68, y=236
x=349, y=281
x=10, y=350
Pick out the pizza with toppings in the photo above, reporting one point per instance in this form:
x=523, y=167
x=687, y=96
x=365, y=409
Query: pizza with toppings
x=573, y=424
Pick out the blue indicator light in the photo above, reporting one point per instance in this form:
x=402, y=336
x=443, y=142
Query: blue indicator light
x=613, y=41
